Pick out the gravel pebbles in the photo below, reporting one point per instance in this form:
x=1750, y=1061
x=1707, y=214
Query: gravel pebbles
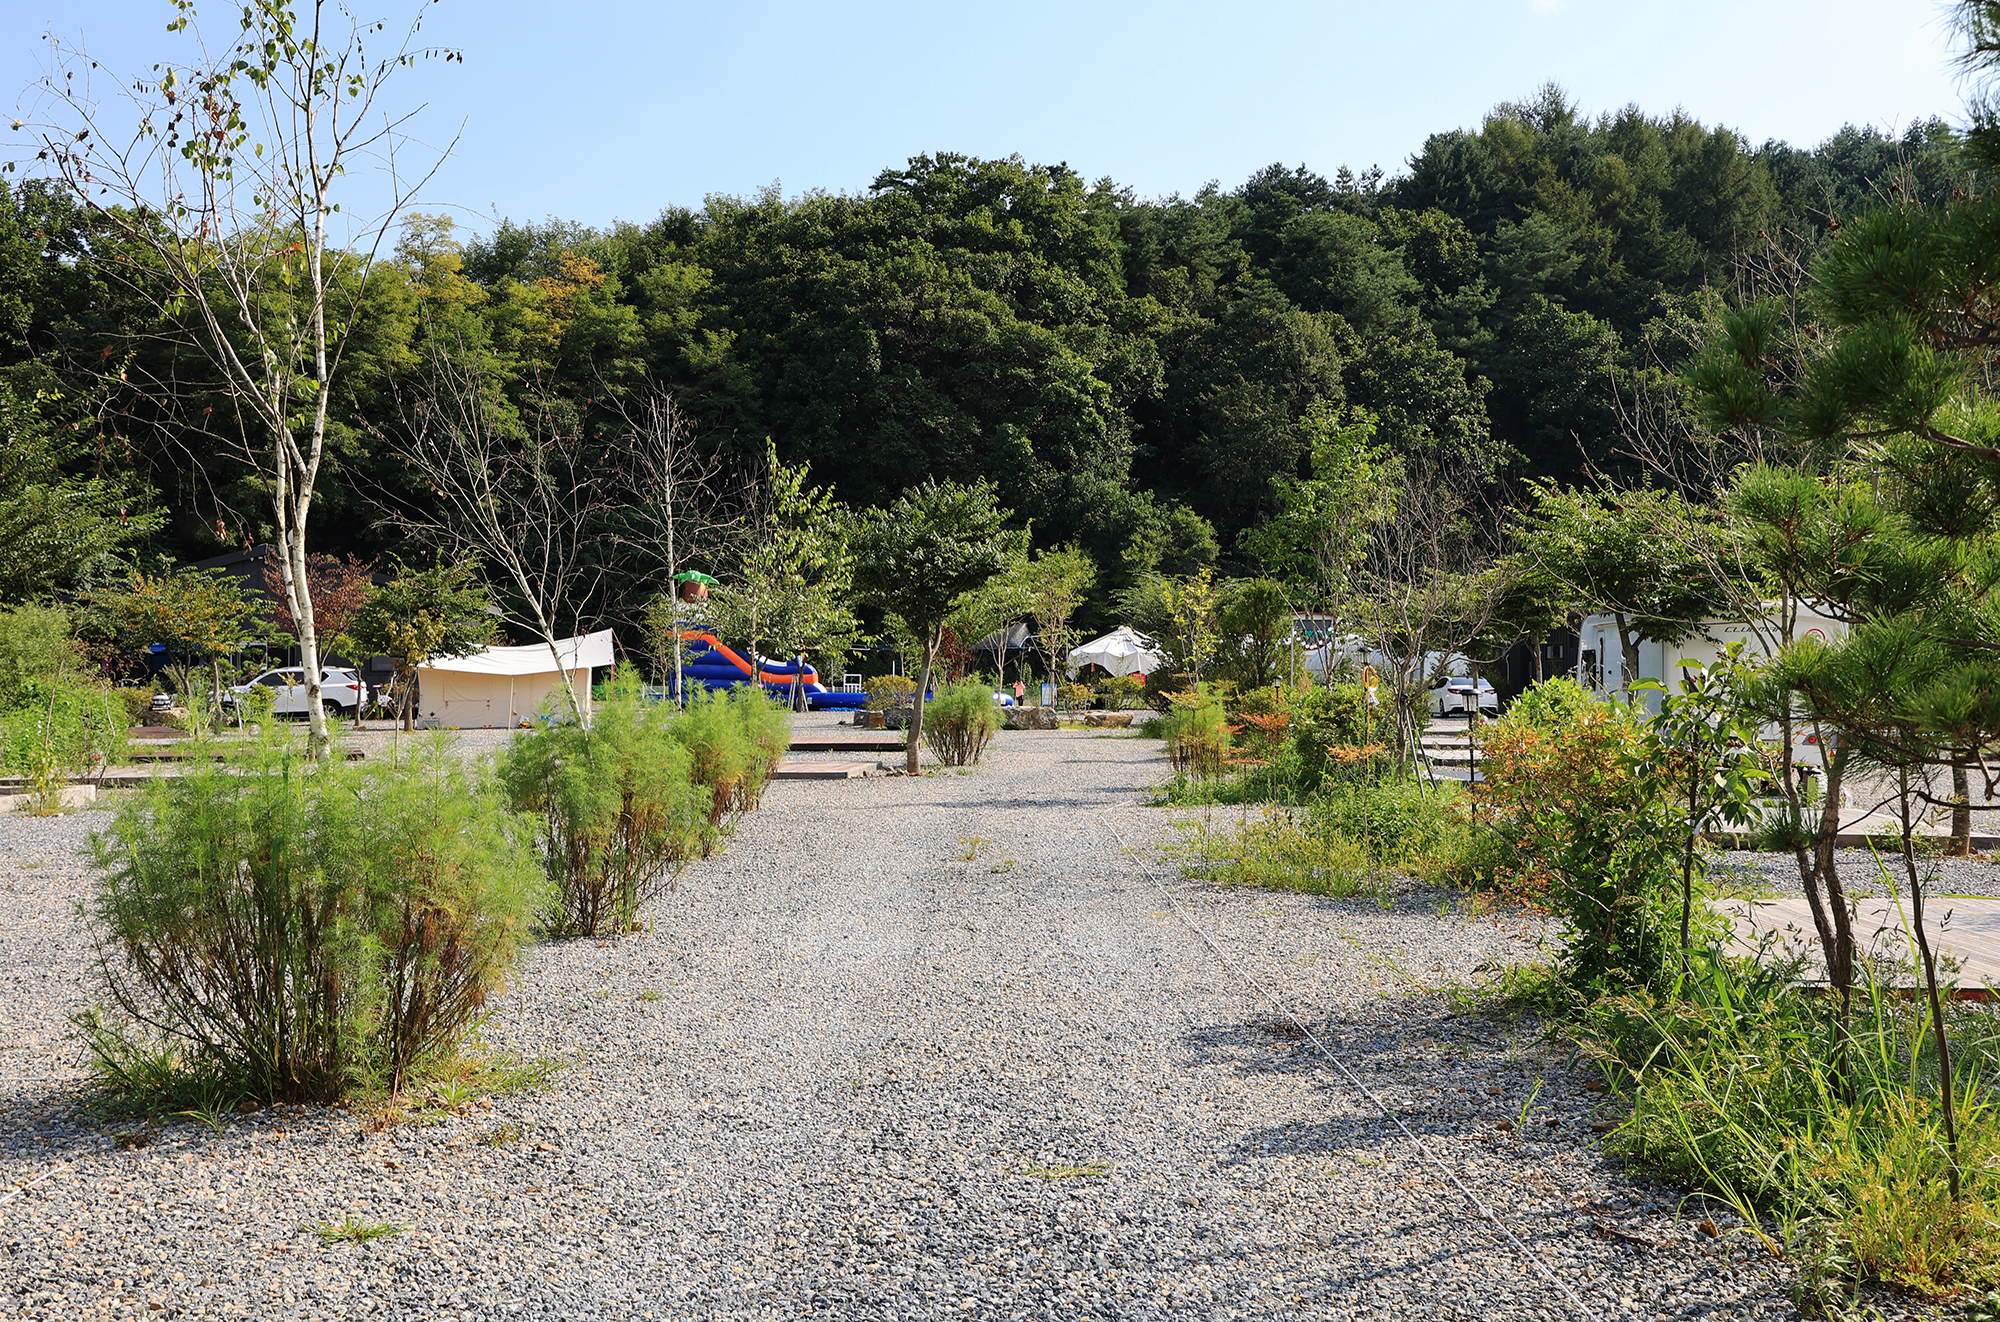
x=1860, y=873
x=913, y=1047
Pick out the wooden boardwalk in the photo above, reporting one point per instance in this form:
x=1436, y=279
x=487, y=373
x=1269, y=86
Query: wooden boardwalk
x=1965, y=928
x=847, y=743
x=800, y=769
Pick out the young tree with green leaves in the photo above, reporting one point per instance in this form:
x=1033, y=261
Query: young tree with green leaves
x=1319, y=540
x=1626, y=553
x=915, y=557
x=422, y=615
x=1698, y=756
x=227, y=188
x=790, y=578
x=1054, y=585
x=1193, y=607
x=195, y=616
x=1256, y=625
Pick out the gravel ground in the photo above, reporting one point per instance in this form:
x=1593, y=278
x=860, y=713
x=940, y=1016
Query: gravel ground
x=913, y=1047
x=1860, y=873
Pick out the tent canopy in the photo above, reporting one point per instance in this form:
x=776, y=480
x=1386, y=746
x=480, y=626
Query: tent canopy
x=503, y=687
x=1122, y=652
x=1013, y=638
x=592, y=649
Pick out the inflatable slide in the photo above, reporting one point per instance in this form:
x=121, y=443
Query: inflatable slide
x=707, y=661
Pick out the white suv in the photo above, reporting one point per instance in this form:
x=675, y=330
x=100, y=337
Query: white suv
x=341, y=691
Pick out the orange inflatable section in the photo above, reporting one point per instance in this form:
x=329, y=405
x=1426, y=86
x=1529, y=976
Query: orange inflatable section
x=730, y=655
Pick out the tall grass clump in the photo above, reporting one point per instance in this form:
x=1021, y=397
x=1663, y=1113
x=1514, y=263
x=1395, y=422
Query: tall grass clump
x=960, y=722
x=59, y=729
x=1196, y=730
x=1733, y=1089
x=284, y=930
x=720, y=757
x=616, y=804
x=767, y=725
x=1352, y=839
x=735, y=740
x=56, y=723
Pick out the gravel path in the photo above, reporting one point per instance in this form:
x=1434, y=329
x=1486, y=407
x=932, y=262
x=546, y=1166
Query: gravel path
x=1754, y=873
x=932, y=1047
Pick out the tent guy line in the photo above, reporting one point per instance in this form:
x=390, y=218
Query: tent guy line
x=1484, y=1212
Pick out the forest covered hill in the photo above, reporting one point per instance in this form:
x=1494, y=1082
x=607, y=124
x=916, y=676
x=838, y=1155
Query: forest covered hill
x=1130, y=371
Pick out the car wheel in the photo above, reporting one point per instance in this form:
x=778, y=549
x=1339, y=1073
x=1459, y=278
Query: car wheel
x=334, y=710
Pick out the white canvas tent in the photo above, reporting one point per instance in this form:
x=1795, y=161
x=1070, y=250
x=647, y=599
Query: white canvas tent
x=502, y=687
x=1122, y=652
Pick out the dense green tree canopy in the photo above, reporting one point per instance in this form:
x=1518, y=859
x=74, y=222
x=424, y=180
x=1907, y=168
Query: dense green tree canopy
x=1128, y=373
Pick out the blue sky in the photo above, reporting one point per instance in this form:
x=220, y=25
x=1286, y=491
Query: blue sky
x=601, y=109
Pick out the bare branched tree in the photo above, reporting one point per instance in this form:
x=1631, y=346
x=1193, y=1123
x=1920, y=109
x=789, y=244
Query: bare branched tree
x=532, y=502
x=1422, y=594
x=679, y=515
x=218, y=184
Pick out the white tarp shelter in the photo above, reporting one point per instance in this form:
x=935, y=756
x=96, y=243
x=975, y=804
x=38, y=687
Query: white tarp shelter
x=1122, y=652
x=501, y=687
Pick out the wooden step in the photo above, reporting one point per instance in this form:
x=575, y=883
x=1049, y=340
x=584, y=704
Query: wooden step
x=847, y=743
x=800, y=770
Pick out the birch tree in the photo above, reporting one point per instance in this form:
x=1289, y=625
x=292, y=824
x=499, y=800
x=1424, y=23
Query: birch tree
x=225, y=174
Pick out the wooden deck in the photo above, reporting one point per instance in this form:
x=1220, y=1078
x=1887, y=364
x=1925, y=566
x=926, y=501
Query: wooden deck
x=1965, y=927
x=847, y=743
x=798, y=769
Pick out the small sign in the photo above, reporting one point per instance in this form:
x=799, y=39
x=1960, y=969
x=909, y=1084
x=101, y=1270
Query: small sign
x=1048, y=695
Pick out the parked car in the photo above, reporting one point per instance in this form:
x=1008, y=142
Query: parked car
x=341, y=691
x=1456, y=694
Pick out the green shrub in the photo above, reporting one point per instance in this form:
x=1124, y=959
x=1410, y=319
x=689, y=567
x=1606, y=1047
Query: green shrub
x=1121, y=691
x=888, y=692
x=1075, y=697
x=960, y=722
x=1162, y=684
x=1553, y=704
x=138, y=704
x=1196, y=729
x=617, y=808
x=59, y=729
x=1337, y=734
x=35, y=647
x=1560, y=781
x=289, y=931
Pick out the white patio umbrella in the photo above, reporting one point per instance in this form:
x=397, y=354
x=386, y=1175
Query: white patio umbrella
x=1122, y=652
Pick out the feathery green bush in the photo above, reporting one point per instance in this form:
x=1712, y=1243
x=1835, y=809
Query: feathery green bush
x=960, y=722
x=617, y=807
x=290, y=931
